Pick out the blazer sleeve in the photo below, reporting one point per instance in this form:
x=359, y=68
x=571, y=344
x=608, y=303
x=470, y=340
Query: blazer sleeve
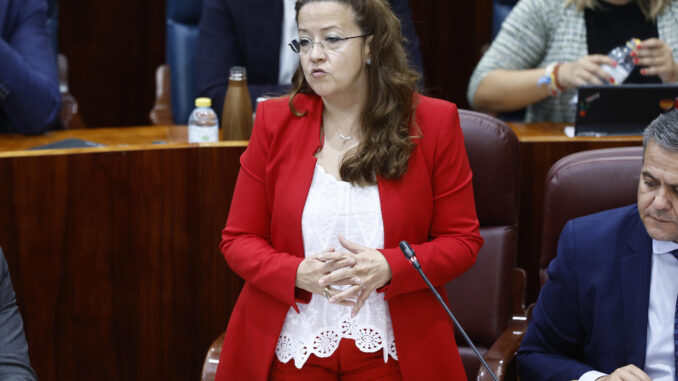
x=14, y=361
x=455, y=240
x=29, y=85
x=246, y=242
x=554, y=339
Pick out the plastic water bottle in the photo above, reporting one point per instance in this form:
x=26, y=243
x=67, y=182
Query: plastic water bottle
x=622, y=55
x=236, y=120
x=203, y=124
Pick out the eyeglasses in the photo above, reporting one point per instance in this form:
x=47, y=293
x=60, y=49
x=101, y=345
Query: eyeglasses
x=305, y=45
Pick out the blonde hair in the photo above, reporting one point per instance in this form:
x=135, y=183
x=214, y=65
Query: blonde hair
x=650, y=8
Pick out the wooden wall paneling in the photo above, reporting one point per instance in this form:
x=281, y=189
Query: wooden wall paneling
x=115, y=260
x=451, y=33
x=113, y=49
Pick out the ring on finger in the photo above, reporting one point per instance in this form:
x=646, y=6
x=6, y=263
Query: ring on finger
x=326, y=292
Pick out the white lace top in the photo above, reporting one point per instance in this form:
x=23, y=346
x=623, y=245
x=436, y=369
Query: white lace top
x=333, y=208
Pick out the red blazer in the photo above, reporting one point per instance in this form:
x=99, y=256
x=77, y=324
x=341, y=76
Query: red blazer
x=431, y=207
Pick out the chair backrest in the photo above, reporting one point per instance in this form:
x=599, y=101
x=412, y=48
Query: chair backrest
x=500, y=9
x=481, y=298
x=584, y=183
x=183, y=17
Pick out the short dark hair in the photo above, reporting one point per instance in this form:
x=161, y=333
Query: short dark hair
x=664, y=131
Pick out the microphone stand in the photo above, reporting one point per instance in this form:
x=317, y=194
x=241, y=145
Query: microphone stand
x=409, y=254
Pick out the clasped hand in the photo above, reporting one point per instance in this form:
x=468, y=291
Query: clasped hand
x=361, y=268
x=653, y=55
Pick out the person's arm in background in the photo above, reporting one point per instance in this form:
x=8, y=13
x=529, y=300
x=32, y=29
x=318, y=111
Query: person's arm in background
x=14, y=361
x=402, y=9
x=506, y=77
x=29, y=84
x=217, y=51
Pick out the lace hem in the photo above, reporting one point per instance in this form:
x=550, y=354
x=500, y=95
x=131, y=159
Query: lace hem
x=325, y=343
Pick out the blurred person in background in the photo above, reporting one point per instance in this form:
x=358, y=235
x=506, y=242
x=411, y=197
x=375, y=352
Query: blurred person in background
x=14, y=362
x=547, y=48
x=254, y=34
x=29, y=85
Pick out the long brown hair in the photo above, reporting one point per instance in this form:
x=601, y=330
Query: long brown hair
x=650, y=8
x=389, y=109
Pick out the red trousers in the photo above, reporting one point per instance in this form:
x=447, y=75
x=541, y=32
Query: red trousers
x=347, y=363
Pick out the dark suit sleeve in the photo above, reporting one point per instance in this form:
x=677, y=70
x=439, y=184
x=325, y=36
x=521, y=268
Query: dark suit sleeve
x=14, y=361
x=219, y=49
x=29, y=85
x=402, y=9
x=555, y=338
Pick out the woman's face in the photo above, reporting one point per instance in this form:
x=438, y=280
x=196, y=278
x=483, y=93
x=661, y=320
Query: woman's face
x=333, y=68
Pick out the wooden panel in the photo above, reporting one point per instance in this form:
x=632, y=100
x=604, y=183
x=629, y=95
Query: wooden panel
x=451, y=34
x=113, y=49
x=115, y=261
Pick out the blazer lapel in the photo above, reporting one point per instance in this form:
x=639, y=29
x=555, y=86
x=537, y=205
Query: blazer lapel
x=635, y=282
x=306, y=142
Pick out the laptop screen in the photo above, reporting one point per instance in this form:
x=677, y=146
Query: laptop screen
x=623, y=109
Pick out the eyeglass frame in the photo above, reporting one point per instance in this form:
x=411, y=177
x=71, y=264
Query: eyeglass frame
x=322, y=43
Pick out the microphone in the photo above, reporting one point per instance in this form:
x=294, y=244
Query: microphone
x=409, y=254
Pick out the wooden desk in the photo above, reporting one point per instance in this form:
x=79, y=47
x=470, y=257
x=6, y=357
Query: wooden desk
x=541, y=145
x=114, y=252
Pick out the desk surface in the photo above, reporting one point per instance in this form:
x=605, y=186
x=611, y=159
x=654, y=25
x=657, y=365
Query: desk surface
x=554, y=132
x=113, y=139
x=148, y=137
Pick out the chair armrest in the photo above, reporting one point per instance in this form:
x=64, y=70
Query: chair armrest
x=503, y=350
x=209, y=367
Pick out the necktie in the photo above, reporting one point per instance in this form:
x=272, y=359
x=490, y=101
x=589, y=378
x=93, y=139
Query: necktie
x=675, y=332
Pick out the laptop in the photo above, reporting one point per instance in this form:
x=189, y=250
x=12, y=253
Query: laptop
x=621, y=110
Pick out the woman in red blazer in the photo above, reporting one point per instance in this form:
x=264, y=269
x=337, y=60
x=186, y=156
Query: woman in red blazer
x=335, y=175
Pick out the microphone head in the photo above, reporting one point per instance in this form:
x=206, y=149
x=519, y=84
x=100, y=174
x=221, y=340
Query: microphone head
x=406, y=249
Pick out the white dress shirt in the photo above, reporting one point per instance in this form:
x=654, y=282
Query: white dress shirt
x=659, y=350
x=288, y=59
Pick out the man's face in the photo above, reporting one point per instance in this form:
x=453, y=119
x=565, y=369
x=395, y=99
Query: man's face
x=658, y=193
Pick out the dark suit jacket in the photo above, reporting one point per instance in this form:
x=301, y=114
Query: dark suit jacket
x=14, y=362
x=592, y=312
x=29, y=86
x=248, y=33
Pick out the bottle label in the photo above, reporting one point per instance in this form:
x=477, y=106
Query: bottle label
x=618, y=73
x=197, y=134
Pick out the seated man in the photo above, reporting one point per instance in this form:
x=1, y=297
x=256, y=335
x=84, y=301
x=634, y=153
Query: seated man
x=14, y=362
x=29, y=85
x=608, y=310
x=255, y=34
